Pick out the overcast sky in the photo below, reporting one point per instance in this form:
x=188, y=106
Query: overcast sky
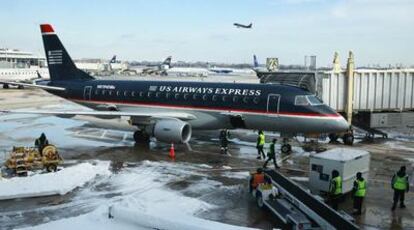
x=377, y=31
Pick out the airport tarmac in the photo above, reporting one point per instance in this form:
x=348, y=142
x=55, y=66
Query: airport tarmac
x=199, y=172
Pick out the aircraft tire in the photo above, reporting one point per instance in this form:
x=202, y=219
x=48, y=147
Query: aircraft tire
x=286, y=148
x=333, y=137
x=141, y=137
x=348, y=139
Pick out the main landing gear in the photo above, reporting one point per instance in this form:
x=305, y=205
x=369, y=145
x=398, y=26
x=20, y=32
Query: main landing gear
x=141, y=137
x=347, y=138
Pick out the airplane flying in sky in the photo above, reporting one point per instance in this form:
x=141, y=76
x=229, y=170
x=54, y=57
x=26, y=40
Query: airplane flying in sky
x=238, y=25
x=170, y=110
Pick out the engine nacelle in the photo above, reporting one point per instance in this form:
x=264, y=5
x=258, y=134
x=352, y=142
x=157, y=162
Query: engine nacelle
x=172, y=131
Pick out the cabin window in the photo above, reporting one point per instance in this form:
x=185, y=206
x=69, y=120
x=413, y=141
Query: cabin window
x=256, y=100
x=301, y=100
x=196, y=96
x=236, y=99
x=157, y=94
x=246, y=100
x=118, y=93
x=103, y=92
x=141, y=94
x=110, y=92
x=214, y=97
x=186, y=96
x=168, y=95
x=225, y=98
x=205, y=97
x=149, y=94
x=314, y=100
x=133, y=93
x=125, y=93
x=177, y=96
x=96, y=92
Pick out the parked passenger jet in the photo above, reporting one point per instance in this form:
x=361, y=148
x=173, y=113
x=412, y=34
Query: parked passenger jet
x=159, y=69
x=169, y=110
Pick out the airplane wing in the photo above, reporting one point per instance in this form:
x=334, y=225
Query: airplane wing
x=33, y=85
x=107, y=114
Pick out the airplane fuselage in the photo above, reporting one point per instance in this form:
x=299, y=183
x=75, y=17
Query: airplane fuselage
x=270, y=107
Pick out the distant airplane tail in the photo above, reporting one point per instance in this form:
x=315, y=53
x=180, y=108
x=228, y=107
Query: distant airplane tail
x=167, y=61
x=113, y=59
x=60, y=64
x=255, y=62
x=250, y=25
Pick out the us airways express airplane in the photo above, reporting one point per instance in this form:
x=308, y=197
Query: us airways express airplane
x=170, y=110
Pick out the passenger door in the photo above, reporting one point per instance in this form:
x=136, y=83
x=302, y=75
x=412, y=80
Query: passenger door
x=273, y=103
x=87, y=92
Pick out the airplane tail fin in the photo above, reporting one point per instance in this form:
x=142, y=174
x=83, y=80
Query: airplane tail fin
x=255, y=62
x=113, y=59
x=167, y=61
x=60, y=64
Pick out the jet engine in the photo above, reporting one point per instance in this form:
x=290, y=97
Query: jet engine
x=172, y=131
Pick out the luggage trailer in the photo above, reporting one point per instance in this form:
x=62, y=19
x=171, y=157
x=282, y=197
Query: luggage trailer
x=300, y=209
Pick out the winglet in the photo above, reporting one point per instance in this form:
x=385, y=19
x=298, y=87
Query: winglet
x=47, y=29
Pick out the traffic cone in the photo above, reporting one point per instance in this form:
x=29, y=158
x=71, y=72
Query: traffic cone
x=172, y=151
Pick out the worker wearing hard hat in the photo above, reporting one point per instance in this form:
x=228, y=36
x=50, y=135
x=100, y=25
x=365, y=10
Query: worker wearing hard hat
x=400, y=185
x=359, y=191
x=335, y=189
x=256, y=179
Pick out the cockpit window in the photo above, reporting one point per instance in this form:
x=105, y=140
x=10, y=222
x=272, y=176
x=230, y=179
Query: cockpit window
x=314, y=100
x=306, y=100
x=301, y=100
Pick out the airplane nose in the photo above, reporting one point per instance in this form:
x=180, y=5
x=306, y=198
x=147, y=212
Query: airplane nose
x=341, y=124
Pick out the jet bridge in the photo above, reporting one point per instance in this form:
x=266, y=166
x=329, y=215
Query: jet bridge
x=315, y=209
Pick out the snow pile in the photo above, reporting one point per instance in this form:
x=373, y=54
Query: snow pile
x=147, y=202
x=237, y=175
x=57, y=183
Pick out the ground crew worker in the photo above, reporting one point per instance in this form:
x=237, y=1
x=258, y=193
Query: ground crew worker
x=260, y=145
x=224, y=141
x=272, y=154
x=400, y=185
x=41, y=142
x=359, y=191
x=256, y=179
x=335, y=189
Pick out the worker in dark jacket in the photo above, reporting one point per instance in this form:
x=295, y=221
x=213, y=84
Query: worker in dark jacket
x=41, y=142
x=224, y=141
x=335, y=189
x=400, y=184
x=359, y=191
x=272, y=154
x=260, y=145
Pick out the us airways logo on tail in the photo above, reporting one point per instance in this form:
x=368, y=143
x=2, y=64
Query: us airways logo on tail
x=54, y=57
x=206, y=90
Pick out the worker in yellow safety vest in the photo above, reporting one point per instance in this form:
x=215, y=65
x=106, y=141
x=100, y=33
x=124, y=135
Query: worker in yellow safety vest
x=359, y=191
x=335, y=189
x=260, y=145
x=400, y=185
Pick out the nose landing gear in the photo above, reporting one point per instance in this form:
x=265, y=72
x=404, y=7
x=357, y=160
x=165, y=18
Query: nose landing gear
x=286, y=147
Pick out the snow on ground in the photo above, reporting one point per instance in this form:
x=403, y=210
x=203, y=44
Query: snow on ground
x=40, y=184
x=144, y=201
x=237, y=175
